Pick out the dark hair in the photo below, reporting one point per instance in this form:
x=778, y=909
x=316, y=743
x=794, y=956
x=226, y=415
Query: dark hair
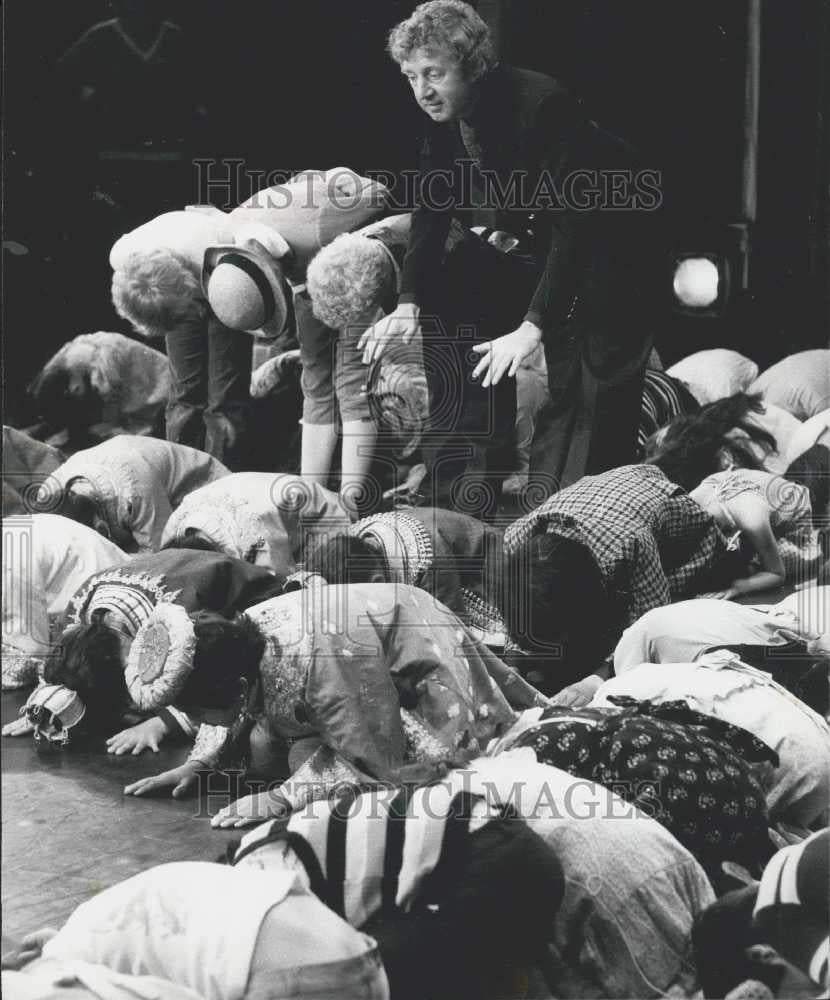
x=687, y=448
x=344, y=558
x=194, y=541
x=812, y=469
x=226, y=651
x=556, y=607
x=62, y=402
x=79, y=507
x=720, y=937
x=90, y=663
x=497, y=893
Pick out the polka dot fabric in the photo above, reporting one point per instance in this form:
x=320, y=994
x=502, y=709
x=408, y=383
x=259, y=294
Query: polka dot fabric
x=689, y=772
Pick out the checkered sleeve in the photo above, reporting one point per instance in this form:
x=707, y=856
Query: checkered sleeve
x=690, y=545
x=647, y=586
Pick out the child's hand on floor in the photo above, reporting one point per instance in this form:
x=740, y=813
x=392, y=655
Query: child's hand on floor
x=18, y=727
x=252, y=809
x=30, y=948
x=146, y=735
x=181, y=778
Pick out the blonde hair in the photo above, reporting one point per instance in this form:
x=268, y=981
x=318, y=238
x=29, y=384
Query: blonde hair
x=157, y=291
x=450, y=26
x=348, y=280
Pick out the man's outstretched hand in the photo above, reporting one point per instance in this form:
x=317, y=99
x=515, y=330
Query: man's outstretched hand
x=504, y=354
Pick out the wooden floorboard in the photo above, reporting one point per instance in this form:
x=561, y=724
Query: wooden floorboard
x=68, y=830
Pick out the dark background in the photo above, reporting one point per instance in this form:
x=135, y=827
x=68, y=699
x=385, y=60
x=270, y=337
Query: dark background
x=285, y=86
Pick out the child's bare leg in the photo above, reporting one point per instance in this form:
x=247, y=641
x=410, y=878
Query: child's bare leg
x=317, y=451
x=359, y=437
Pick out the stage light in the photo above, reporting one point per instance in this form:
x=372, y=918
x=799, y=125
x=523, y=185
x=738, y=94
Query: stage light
x=697, y=282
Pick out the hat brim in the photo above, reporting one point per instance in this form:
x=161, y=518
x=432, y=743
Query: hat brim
x=273, y=275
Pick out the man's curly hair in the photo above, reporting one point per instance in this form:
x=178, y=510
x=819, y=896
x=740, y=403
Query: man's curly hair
x=450, y=26
x=349, y=280
x=158, y=291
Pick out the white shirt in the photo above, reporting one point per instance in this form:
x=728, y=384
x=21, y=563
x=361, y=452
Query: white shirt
x=188, y=233
x=46, y=558
x=196, y=924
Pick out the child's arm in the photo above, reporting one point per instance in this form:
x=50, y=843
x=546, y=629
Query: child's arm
x=581, y=692
x=752, y=517
x=150, y=732
x=207, y=749
x=314, y=779
x=146, y=735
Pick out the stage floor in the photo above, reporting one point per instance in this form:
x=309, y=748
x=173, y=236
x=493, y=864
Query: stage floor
x=69, y=831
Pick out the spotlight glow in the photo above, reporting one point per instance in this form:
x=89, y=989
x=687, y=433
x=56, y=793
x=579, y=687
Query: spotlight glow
x=697, y=282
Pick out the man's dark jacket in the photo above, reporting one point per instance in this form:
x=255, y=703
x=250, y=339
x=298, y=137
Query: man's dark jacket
x=576, y=197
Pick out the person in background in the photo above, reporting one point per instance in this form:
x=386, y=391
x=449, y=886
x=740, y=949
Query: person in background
x=770, y=938
x=452, y=556
x=165, y=932
x=157, y=287
x=809, y=464
x=592, y=559
x=303, y=216
x=790, y=639
x=664, y=398
x=324, y=654
x=532, y=395
x=264, y=519
x=702, y=779
x=127, y=488
x=768, y=520
x=102, y=384
x=27, y=467
x=799, y=383
x=149, y=596
x=721, y=435
x=458, y=892
x=349, y=283
x=206, y=279
x=814, y=432
x=46, y=558
x=721, y=685
x=714, y=374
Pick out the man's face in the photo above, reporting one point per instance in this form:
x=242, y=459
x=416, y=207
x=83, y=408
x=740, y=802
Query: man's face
x=438, y=84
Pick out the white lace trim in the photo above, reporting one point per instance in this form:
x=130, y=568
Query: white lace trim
x=404, y=541
x=153, y=586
